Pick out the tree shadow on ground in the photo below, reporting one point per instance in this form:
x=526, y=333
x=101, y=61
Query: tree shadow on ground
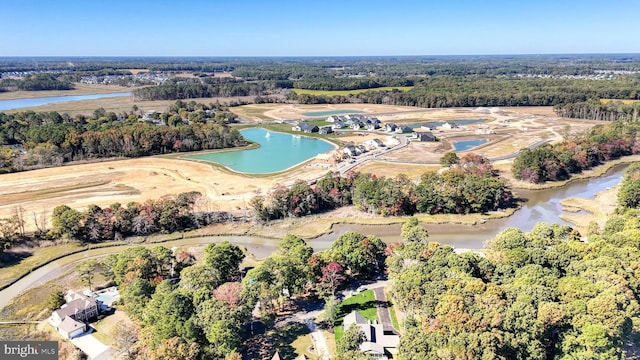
x=263, y=346
x=348, y=308
x=11, y=258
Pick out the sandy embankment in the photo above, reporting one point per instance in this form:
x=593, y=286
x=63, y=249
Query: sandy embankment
x=136, y=180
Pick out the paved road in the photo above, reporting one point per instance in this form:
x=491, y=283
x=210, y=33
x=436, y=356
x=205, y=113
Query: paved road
x=35, y=278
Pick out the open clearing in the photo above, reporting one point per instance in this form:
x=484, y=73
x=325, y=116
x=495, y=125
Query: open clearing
x=349, y=92
x=137, y=180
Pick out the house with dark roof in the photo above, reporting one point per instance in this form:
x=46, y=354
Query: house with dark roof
x=390, y=127
x=377, y=343
x=401, y=129
x=309, y=128
x=424, y=136
x=325, y=130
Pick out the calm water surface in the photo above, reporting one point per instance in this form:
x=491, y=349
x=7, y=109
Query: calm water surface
x=31, y=102
x=277, y=152
x=465, y=145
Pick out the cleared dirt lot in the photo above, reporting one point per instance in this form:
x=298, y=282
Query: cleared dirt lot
x=137, y=180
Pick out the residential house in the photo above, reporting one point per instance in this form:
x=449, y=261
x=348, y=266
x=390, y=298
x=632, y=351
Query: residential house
x=422, y=135
x=335, y=118
x=309, y=128
x=70, y=328
x=357, y=125
x=402, y=129
x=296, y=128
x=70, y=319
x=325, y=130
x=373, y=144
x=449, y=126
x=338, y=125
x=390, y=127
x=378, y=344
x=350, y=150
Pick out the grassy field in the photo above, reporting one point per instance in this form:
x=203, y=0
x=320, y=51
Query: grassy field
x=626, y=101
x=348, y=92
x=363, y=302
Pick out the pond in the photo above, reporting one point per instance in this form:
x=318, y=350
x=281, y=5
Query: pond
x=464, y=145
x=277, y=152
x=31, y=102
x=332, y=112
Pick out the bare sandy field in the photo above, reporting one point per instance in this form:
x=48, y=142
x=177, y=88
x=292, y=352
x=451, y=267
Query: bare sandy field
x=259, y=112
x=137, y=180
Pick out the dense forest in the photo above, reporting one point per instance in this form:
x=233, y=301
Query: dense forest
x=559, y=161
x=31, y=140
x=469, y=186
x=207, y=313
x=172, y=90
x=36, y=82
x=280, y=68
x=597, y=110
x=439, y=81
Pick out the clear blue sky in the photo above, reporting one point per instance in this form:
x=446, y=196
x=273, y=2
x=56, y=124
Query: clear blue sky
x=316, y=28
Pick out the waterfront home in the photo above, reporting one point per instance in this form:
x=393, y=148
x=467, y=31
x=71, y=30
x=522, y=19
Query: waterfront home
x=449, y=126
x=70, y=320
x=309, y=128
x=325, y=130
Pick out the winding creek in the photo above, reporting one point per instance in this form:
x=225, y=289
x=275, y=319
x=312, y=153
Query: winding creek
x=39, y=101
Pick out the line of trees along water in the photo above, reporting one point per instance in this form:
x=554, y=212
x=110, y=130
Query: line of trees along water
x=30, y=140
x=557, y=162
x=468, y=187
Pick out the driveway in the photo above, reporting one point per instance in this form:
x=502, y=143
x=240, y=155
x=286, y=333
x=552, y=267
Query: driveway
x=94, y=349
x=319, y=341
x=383, y=309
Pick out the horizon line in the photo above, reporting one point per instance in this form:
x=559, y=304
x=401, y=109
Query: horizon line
x=317, y=56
